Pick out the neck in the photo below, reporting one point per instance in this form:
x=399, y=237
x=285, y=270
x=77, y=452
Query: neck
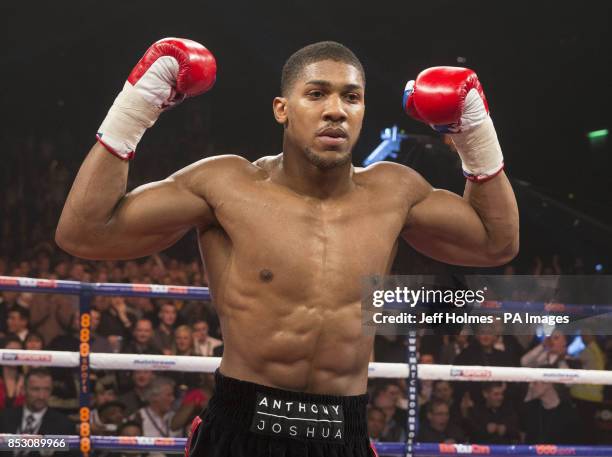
x=297, y=173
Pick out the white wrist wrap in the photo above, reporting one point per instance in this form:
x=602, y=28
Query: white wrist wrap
x=480, y=152
x=126, y=122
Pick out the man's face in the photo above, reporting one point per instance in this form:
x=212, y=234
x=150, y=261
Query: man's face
x=323, y=112
x=443, y=391
x=486, y=340
x=494, y=397
x=143, y=332
x=438, y=418
x=164, y=400
x=113, y=415
x=395, y=392
x=15, y=323
x=376, y=423
x=167, y=314
x=142, y=378
x=200, y=331
x=38, y=391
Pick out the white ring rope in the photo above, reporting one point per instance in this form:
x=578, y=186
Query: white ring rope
x=110, y=361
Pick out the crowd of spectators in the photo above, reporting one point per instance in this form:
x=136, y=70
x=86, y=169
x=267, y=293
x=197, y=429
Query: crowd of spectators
x=163, y=403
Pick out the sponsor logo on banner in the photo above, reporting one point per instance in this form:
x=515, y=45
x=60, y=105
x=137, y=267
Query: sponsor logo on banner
x=551, y=449
x=164, y=442
x=560, y=376
x=177, y=289
x=160, y=289
x=12, y=356
x=31, y=282
x=463, y=449
x=127, y=440
x=154, y=364
x=8, y=281
x=554, y=307
x=472, y=373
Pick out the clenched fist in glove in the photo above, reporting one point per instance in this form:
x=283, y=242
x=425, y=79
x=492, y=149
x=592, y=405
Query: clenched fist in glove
x=451, y=100
x=171, y=70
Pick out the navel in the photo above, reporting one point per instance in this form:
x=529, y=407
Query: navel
x=266, y=275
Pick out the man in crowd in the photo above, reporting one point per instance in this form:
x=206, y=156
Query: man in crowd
x=438, y=428
x=17, y=321
x=134, y=397
x=494, y=421
x=205, y=344
x=35, y=417
x=164, y=333
x=142, y=339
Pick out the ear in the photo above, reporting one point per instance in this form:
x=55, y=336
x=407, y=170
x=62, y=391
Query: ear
x=279, y=107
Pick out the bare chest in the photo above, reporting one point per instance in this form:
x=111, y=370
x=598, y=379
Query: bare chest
x=275, y=237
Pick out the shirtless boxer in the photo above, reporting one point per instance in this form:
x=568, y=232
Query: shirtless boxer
x=287, y=239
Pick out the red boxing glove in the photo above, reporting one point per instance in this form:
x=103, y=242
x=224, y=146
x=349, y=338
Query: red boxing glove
x=171, y=70
x=451, y=100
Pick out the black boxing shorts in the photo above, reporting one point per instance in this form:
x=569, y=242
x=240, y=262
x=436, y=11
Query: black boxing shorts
x=244, y=419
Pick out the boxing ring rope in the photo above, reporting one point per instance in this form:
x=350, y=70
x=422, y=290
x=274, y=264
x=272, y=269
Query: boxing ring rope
x=201, y=364
x=101, y=361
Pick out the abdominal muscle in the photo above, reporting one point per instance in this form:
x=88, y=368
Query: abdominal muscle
x=301, y=346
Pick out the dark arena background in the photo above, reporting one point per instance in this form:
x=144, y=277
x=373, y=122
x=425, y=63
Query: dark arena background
x=546, y=70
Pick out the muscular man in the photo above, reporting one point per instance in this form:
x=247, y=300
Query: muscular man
x=287, y=239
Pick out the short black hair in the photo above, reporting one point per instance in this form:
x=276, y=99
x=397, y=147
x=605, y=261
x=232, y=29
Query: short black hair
x=487, y=386
x=39, y=372
x=433, y=403
x=23, y=312
x=323, y=50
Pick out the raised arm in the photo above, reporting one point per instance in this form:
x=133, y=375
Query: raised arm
x=478, y=229
x=482, y=228
x=101, y=221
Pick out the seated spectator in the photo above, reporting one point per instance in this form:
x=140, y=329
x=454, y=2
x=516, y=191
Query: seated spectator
x=107, y=418
x=134, y=398
x=395, y=418
x=376, y=423
x=12, y=381
x=157, y=416
x=547, y=418
x=438, y=428
x=142, y=339
x=494, y=422
x=443, y=391
x=183, y=341
x=204, y=343
x=17, y=321
x=164, y=333
x=35, y=416
x=34, y=342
